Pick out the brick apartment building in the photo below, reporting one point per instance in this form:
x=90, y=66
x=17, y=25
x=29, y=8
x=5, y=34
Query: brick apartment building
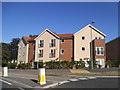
x=112, y=48
x=50, y=46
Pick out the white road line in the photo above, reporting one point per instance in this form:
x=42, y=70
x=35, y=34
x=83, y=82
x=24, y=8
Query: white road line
x=6, y=82
x=74, y=79
x=83, y=79
x=21, y=88
x=91, y=77
x=62, y=82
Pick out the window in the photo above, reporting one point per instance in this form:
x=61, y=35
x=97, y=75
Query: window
x=98, y=37
x=83, y=38
x=40, y=53
x=99, y=51
x=41, y=43
x=62, y=51
x=52, y=43
x=52, y=53
x=100, y=61
x=62, y=41
x=83, y=48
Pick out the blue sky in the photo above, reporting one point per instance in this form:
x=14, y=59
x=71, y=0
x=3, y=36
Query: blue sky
x=22, y=19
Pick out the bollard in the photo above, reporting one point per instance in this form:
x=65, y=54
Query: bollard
x=41, y=76
x=5, y=72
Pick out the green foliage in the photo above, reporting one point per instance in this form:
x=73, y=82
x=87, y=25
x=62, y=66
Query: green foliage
x=4, y=64
x=80, y=64
x=33, y=35
x=12, y=65
x=114, y=63
x=5, y=52
x=24, y=66
x=40, y=65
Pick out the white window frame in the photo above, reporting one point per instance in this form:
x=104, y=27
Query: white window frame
x=62, y=52
x=100, y=61
x=40, y=52
x=84, y=48
x=62, y=41
x=82, y=37
x=100, y=51
x=52, y=43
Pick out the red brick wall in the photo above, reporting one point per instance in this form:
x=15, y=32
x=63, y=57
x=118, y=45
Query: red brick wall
x=113, y=49
x=99, y=43
x=31, y=50
x=67, y=46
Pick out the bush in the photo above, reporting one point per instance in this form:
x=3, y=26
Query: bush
x=12, y=65
x=40, y=65
x=80, y=64
x=24, y=66
x=4, y=64
x=114, y=63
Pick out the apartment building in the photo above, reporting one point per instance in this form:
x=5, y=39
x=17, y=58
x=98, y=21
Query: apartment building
x=88, y=43
x=112, y=48
x=53, y=47
x=26, y=50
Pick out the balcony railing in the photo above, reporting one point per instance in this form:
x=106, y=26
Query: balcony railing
x=51, y=55
x=52, y=44
x=40, y=55
x=40, y=45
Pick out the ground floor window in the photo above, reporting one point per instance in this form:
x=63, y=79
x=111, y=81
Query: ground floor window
x=100, y=61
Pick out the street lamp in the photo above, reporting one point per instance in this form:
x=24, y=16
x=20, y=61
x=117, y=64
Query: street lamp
x=91, y=48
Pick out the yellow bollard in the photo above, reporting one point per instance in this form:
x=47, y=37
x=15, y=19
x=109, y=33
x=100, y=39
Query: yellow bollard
x=41, y=76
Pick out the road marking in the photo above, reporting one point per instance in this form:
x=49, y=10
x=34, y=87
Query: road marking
x=21, y=88
x=74, y=79
x=63, y=82
x=6, y=82
x=83, y=79
x=91, y=77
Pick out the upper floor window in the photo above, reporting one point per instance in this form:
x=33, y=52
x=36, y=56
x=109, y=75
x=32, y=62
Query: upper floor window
x=99, y=51
x=83, y=38
x=98, y=38
x=52, y=43
x=62, y=41
x=41, y=43
x=40, y=53
x=83, y=48
x=52, y=53
x=62, y=51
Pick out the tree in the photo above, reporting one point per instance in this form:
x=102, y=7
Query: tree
x=33, y=35
x=14, y=48
x=5, y=52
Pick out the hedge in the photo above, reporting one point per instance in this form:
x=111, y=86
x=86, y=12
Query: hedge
x=24, y=66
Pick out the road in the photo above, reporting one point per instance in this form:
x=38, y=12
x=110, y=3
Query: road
x=92, y=83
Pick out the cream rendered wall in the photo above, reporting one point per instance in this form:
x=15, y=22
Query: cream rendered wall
x=79, y=43
x=21, y=51
x=46, y=36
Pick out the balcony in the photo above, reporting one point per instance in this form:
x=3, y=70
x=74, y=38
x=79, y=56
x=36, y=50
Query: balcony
x=52, y=44
x=40, y=45
x=51, y=55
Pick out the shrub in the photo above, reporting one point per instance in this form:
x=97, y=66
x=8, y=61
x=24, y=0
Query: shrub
x=80, y=64
x=114, y=63
x=4, y=64
x=24, y=66
x=12, y=65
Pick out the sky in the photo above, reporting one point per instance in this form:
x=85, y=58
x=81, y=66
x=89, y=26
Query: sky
x=25, y=18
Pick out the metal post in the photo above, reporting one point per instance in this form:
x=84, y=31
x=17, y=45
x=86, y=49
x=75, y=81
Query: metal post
x=91, y=48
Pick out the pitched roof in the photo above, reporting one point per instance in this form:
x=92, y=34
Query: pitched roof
x=89, y=25
x=65, y=35
x=27, y=39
